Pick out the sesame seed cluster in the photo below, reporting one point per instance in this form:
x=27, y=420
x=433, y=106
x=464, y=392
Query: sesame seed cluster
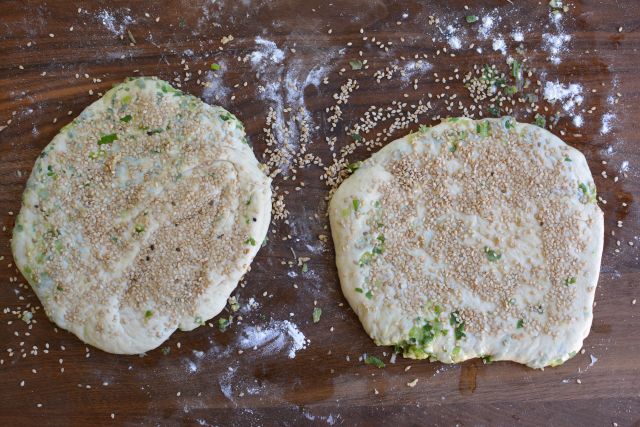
x=504, y=180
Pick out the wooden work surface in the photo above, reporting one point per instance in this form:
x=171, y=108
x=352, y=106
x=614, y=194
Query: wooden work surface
x=204, y=380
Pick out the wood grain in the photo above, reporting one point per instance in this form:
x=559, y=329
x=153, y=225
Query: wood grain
x=319, y=386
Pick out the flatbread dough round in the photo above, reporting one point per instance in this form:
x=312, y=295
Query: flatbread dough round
x=472, y=239
x=141, y=216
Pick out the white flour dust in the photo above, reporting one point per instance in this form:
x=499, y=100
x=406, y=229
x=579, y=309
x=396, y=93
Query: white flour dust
x=266, y=49
x=315, y=76
x=414, y=68
x=569, y=96
x=251, y=305
x=500, y=45
x=624, y=167
x=192, y=365
x=555, y=45
x=607, y=119
x=117, y=26
x=192, y=368
x=452, y=38
x=454, y=42
x=517, y=36
x=281, y=84
x=276, y=337
x=233, y=384
x=215, y=89
x=226, y=382
x=487, y=25
x=329, y=419
x=578, y=121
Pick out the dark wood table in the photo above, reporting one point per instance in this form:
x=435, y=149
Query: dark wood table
x=201, y=378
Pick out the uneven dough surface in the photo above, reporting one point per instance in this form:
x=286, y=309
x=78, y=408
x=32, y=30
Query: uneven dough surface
x=472, y=239
x=141, y=216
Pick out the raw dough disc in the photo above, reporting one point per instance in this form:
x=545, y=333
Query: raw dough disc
x=472, y=239
x=141, y=216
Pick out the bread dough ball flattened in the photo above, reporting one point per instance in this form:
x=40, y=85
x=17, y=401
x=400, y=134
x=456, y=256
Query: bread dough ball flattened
x=141, y=216
x=472, y=239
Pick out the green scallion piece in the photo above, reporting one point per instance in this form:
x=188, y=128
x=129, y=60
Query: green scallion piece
x=352, y=167
x=492, y=255
x=540, y=120
x=372, y=360
x=107, y=139
x=317, y=312
x=483, y=128
x=223, y=324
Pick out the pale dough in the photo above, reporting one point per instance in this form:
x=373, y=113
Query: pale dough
x=472, y=239
x=141, y=216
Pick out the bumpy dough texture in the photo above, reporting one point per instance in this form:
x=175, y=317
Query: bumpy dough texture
x=472, y=239
x=141, y=216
